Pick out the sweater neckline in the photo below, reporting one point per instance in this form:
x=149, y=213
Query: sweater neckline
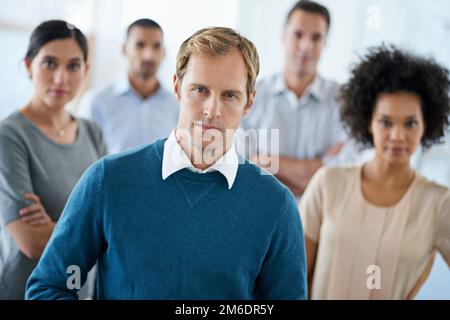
x=186, y=173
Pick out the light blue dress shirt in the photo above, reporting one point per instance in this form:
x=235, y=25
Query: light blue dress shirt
x=308, y=126
x=126, y=119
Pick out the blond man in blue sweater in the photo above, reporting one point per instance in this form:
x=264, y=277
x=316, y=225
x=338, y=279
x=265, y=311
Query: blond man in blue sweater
x=184, y=217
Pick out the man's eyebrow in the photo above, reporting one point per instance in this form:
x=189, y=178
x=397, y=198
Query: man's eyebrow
x=49, y=57
x=235, y=91
x=196, y=84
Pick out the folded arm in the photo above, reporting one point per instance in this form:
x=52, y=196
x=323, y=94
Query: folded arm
x=75, y=245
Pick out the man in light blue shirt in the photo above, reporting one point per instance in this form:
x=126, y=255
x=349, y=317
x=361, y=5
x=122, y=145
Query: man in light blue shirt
x=300, y=104
x=136, y=109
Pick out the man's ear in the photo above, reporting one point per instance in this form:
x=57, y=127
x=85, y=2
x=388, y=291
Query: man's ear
x=325, y=42
x=27, y=63
x=249, y=105
x=176, y=87
x=88, y=67
x=124, y=49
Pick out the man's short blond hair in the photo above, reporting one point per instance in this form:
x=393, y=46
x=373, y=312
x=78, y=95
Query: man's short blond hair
x=219, y=41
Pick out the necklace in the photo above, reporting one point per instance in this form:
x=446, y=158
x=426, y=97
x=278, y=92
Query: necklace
x=61, y=130
x=61, y=133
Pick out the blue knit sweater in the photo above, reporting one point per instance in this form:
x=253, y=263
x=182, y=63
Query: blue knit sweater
x=186, y=237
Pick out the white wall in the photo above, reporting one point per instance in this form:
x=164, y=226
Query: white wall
x=418, y=26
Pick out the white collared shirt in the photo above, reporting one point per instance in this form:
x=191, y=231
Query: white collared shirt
x=175, y=159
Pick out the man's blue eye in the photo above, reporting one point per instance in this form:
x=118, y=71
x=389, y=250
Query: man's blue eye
x=74, y=66
x=200, y=90
x=230, y=95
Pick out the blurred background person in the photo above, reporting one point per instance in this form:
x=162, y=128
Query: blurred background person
x=136, y=109
x=301, y=104
x=372, y=230
x=44, y=150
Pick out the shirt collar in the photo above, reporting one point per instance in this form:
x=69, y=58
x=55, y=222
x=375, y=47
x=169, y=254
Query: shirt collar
x=175, y=159
x=279, y=85
x=314, y=89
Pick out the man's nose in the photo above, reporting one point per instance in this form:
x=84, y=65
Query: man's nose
x=148, y=53
x=213, y=107
x=305, y=44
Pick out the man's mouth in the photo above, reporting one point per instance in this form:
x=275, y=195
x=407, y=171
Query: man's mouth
x=148, y=65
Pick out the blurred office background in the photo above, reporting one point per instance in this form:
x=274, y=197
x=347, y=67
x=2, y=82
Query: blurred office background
x=419, y=26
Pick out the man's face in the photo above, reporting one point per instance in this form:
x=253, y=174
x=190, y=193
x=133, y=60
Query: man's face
x=144, y=51
x=212, y=97
x=304, y=39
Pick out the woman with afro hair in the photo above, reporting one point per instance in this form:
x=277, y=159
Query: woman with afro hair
x=372, y=230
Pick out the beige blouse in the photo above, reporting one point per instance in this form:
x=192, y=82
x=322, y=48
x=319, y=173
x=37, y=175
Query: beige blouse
x=371, y=252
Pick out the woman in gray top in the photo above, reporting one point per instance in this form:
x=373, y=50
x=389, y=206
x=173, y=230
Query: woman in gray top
x=44, y=150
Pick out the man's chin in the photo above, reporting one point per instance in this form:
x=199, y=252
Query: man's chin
x=207, y=144
x=303, y=68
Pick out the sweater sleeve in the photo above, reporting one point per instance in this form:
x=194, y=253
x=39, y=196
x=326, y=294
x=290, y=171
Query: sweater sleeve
x=75, y=244
x=283, y=273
